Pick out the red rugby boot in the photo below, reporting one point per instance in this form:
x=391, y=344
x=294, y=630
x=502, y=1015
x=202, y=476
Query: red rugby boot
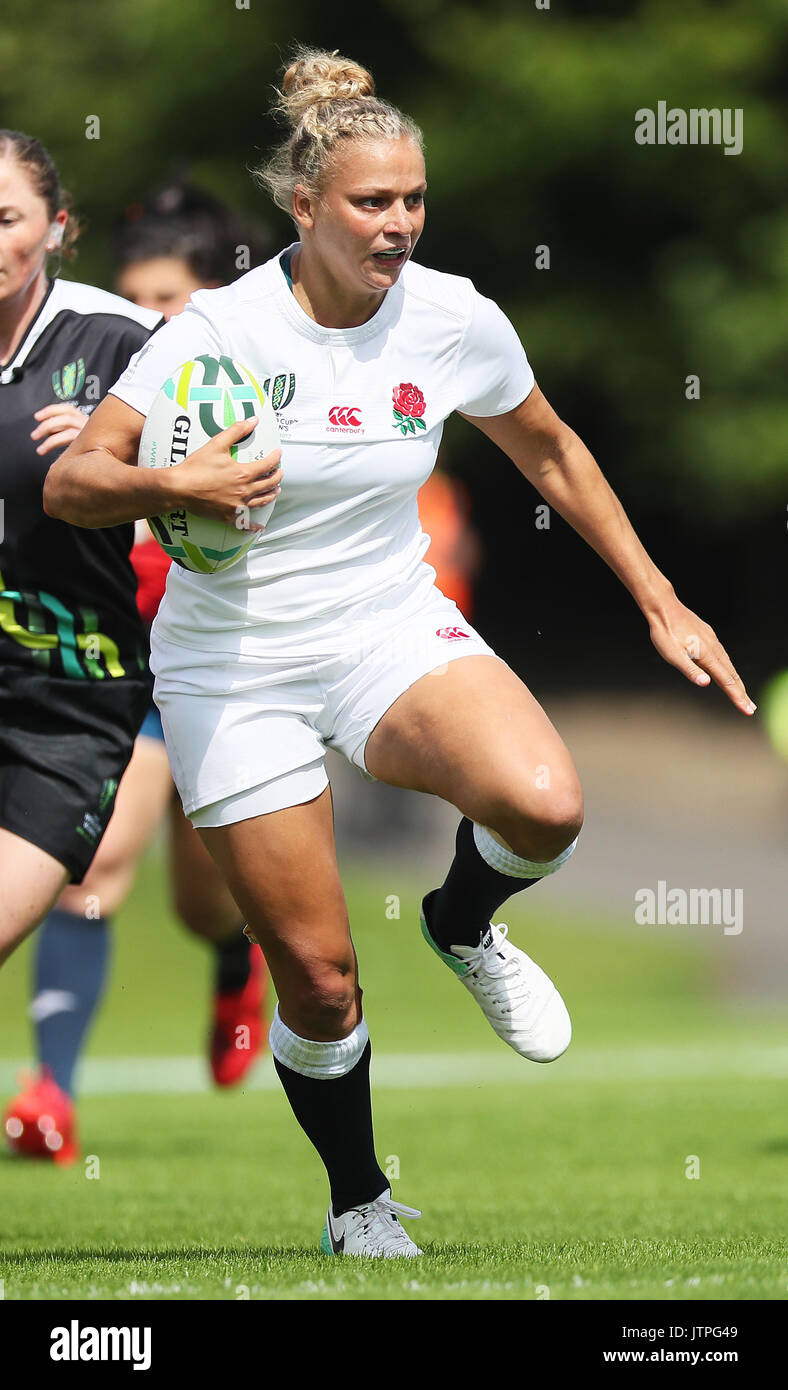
x=237, y=1037
x=41, y=1122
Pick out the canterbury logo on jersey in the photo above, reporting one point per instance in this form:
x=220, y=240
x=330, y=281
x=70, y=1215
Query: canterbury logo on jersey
x=345, y=415
x=451, y=634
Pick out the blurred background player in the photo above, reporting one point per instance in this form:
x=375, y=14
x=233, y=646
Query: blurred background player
x=75, y=678
x=180, y=240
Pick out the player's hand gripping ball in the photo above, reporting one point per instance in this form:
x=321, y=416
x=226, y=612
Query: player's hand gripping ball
x=196, y=403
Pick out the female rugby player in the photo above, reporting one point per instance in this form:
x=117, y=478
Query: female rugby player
x=72, y=648
x=178, y=241
x=331, y=628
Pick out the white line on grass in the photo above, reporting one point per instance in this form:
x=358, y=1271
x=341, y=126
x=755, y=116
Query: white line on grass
x=406, y=1071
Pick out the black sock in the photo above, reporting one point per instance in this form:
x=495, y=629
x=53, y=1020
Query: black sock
x=336, y=1115
x=232, y=963
x=459, y=912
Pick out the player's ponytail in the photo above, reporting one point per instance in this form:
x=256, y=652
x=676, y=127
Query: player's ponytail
x=40, y=167
x=325, y=99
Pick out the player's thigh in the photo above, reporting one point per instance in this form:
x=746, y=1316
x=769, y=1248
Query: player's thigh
x=141, y=801
x=201, y=897
x=473, y=734
x=31, y=881
x=282, y=871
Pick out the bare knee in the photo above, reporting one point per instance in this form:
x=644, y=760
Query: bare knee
x=543, y=829
x=561, y=822
x=322, y=1001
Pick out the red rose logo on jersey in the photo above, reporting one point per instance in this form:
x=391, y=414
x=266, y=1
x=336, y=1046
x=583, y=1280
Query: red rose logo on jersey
x=451, y=634
x=409, y=406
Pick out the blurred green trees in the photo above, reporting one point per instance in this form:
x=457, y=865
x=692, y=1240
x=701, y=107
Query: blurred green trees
x=665, y=261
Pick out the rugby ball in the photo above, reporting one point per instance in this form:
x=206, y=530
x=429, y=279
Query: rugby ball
x=199, y=400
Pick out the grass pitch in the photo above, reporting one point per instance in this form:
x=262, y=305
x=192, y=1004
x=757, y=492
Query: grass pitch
x=573, y=1181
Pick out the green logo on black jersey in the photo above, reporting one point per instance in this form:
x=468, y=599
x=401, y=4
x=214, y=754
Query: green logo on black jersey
x=81, y=653
x=108, y=788
x=68, y=381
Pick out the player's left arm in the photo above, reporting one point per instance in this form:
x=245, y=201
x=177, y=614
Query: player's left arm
x=558, y=464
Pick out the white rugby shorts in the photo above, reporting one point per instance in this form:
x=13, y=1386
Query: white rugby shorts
x=247, y=735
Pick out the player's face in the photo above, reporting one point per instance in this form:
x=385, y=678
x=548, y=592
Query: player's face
x=24, y=230
x=373, y=204
x=163, y=283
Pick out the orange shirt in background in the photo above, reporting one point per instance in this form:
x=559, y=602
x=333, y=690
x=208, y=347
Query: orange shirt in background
x=444, y=515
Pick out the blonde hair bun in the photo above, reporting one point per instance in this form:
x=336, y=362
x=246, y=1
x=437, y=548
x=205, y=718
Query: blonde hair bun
x=326, y=100
x=315, y=77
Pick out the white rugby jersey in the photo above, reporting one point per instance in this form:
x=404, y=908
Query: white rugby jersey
x=360, y=414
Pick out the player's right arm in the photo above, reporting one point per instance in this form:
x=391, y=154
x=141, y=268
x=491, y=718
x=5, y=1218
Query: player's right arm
x=92, y=483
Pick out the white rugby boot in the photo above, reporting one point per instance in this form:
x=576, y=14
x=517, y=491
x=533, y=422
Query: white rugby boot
x=372, y=1230
x=516, y=997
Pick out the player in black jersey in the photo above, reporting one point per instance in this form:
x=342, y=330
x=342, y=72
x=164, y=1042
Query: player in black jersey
x=74, y=682
x=179, y=240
